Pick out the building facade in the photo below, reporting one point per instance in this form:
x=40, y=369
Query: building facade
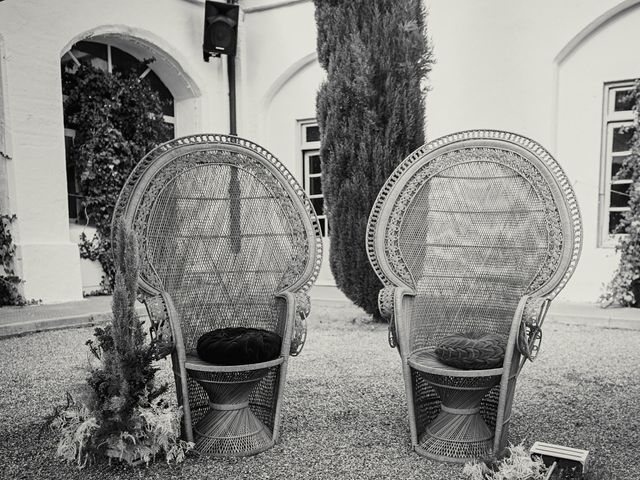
x=552, y=71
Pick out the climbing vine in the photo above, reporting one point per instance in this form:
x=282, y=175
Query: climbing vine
x=625, y=286
x=117, y=118
x=9, y=281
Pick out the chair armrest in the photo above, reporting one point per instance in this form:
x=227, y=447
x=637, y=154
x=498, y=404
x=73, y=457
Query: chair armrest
x=298, y=306
x=391, y=301
x=385, y=302
x=530, y=330
x=162, y=327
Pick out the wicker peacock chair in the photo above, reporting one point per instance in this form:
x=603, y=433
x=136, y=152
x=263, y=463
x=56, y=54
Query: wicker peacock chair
x=227, y=239
x=476, y=231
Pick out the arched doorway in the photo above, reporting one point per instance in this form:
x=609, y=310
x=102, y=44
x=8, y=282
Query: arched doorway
x=106, y=57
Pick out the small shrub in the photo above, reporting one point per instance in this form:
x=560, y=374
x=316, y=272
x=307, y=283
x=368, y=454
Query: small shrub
x=122, y=415
x=9, y=281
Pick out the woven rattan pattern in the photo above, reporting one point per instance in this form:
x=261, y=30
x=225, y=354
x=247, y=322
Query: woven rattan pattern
x=427, y=403
x=549, y=163
x=215, y=149
x=190, y=244
x=223, y=229
x=470, y=223
x=473, y=238
x=237, y=431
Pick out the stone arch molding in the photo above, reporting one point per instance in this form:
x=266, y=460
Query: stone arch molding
x=571, y=46
x=171, y=66
x=592, y=27
x=279, y=84
x=284, y=78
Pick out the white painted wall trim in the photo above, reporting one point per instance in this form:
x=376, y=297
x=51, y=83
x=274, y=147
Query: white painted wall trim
x=271, y=6
x=7, y=188
x=592, y=27
x=188, y=84
x=279, y=83
x=285, y=76
x=569, y=48
x=258, y=8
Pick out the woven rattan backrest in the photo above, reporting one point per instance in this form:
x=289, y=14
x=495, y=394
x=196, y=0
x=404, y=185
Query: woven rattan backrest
x=471, y=223
x=223, y=228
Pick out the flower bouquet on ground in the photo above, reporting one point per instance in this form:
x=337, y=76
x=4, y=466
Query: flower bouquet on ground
x=121, y=414
x=518, y=463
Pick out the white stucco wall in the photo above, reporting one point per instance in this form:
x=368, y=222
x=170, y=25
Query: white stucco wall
x=535, y=68
x=498, y=66
x=34, y=36
x=281, y=80
x=5, y=148
x=601, y=57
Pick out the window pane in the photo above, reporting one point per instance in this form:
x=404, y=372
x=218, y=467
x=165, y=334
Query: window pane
x=622, y=139
x=616, y=165
x=620, y=194
x=123, y=62
x=163, y=92
x=623, y=101
x=90, y=49
x=67, y=62
x=315, y=186
x=312, y=134
x=318, y=204
x=614, y=220
x=71, y=179
x=314, y=164
x=94, y=52
x=323, y=226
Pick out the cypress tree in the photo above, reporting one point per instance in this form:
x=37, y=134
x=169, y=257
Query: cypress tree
x=371, y=115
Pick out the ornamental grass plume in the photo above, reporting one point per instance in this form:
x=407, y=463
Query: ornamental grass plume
x=122, y=415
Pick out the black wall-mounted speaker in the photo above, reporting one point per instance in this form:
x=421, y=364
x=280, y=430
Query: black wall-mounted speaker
x=220, y=29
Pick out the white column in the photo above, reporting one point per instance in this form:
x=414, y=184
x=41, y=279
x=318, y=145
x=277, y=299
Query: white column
x=47, y=260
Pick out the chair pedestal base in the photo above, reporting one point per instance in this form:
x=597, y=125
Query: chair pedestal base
x=459, y=433
x=230, y=428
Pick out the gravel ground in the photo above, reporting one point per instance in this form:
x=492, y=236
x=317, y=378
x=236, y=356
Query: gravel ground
x=344, y=413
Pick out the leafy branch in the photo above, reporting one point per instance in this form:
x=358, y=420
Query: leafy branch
x=117, y=118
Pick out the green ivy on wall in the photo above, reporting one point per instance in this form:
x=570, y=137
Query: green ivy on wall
x=9, y=281
x=625, y=286
x=117, y=118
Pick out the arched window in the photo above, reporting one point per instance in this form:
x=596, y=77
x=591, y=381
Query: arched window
x=108, y=58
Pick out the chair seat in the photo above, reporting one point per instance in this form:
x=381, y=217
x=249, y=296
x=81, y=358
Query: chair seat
x=193, y=362
x=426, y=360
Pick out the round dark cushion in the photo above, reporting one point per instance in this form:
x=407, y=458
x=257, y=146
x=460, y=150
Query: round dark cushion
x=238, y=346
x=472, y=350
